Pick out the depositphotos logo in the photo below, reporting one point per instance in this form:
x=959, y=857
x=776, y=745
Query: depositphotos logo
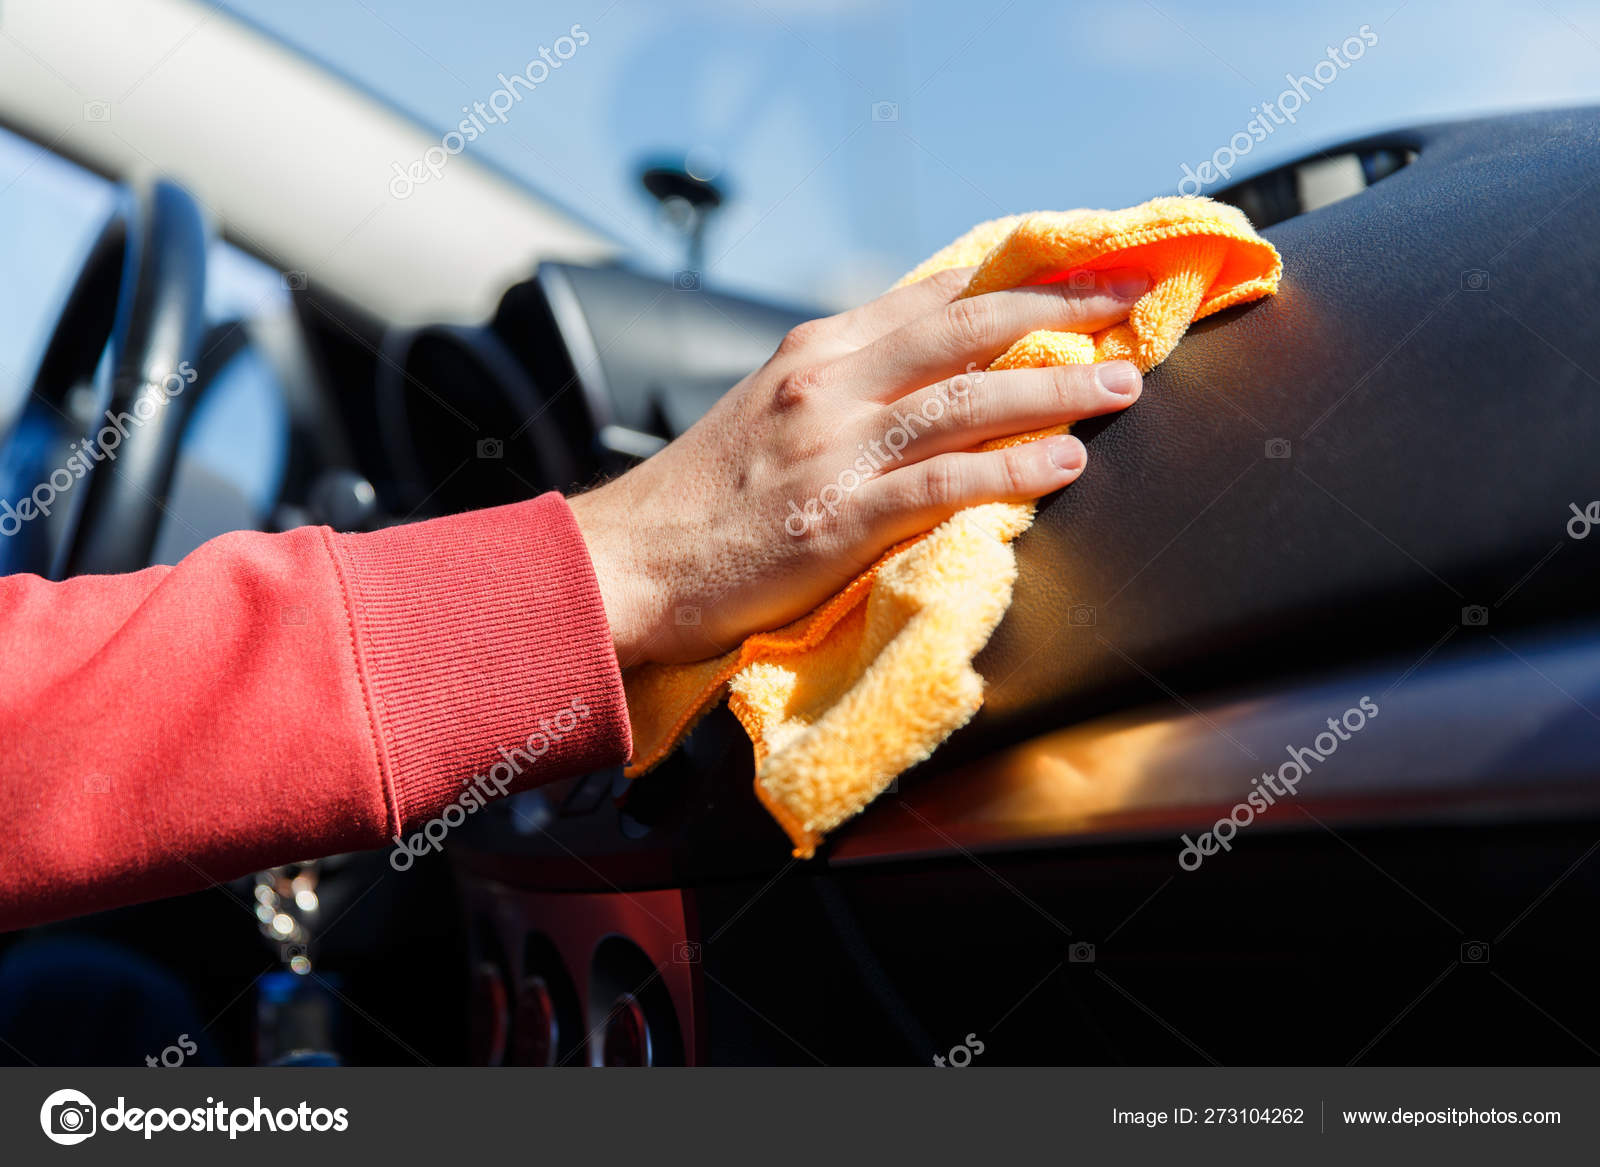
x=70, y=1116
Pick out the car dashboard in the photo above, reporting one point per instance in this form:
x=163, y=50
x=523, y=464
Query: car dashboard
x=1371, y=492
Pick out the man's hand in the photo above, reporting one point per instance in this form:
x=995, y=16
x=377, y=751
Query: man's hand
x=855, y=435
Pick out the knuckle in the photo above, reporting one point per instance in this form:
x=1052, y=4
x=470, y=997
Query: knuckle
x=1015, y=470
x=802, y=337
x=950, y=281
x=1065, y=384
x=942, y=482
x=971, y=322
x=963, y=410
x=798, y=387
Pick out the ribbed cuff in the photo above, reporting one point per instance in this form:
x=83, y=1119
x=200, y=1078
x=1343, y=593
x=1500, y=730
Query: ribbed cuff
x=485, y=653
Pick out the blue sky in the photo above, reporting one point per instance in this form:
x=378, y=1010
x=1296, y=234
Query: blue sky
x=998, y=107
x=1002, y=107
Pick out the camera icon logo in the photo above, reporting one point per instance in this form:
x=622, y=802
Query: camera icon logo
x=1278, y=448
x=491, y=448
x=97, y=111
x=1475, y=616
x=687, y=616
x=1475, y=280
x=1081, y=953
x=1082, y=616
x=1081, y=281
x=294, y=281
x=686, y=280
x=67, y=1117
x=1475, y=952
x=686, y=952
x=96, y=784
x=885, y=111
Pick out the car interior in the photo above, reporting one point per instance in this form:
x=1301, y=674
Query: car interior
x=1307, y=511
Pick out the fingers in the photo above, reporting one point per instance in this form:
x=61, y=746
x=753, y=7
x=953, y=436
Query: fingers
x=915, y=498
x=968, y=410
x=976, y=330
x=831, y=337
x=900, y=306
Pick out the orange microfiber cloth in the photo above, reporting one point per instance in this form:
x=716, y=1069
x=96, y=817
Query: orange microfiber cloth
x=841, y=701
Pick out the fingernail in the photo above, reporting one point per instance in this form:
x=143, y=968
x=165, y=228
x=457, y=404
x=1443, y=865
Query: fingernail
x=1067, y=453
x=1126, y=283
x=1119, y=377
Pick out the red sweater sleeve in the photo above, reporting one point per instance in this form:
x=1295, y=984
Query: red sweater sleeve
x=277, y=697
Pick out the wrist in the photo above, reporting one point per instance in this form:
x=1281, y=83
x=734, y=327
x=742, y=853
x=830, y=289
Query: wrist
x=603, y=519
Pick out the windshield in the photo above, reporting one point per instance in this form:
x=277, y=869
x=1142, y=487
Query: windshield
x=853, y=138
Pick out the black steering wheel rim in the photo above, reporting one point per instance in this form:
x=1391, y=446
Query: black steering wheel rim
x=142, y=289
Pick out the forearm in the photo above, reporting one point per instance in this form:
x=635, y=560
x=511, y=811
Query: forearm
x=278, y=696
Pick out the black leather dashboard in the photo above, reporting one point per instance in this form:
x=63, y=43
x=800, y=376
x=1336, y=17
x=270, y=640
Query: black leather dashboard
x=1378, y=454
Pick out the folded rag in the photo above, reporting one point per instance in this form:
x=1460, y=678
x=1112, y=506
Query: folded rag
x=841, y=701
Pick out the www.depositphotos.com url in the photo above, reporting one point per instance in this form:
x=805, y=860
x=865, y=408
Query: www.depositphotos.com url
x=1454, y=1116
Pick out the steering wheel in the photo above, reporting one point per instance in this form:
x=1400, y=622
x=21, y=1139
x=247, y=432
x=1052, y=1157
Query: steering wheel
x=84, y=478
